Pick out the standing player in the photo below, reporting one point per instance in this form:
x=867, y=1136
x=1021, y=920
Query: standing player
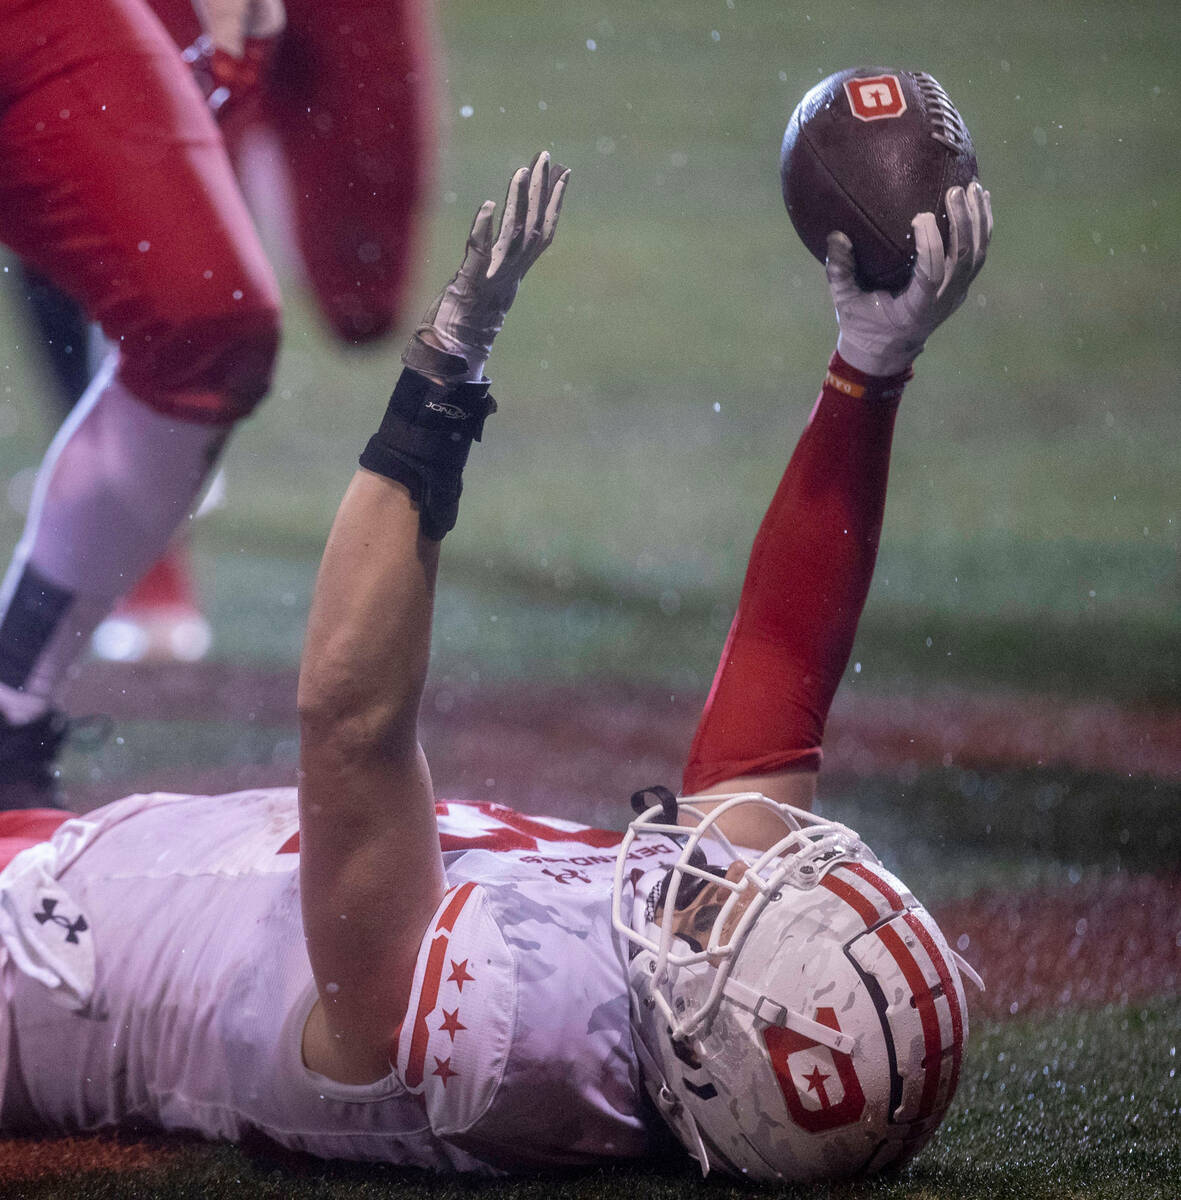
x=116, y=188
x=471, y=988
x=343, y=88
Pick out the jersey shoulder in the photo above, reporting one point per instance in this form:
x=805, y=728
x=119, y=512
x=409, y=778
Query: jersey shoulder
x=455, y=1041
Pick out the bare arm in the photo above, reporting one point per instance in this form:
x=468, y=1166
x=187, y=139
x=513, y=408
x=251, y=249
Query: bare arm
x=371, y=871
x=880, y=334
x=752, y=827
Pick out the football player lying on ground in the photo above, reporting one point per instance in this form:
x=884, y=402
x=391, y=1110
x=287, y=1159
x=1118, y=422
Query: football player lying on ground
x=470, y=988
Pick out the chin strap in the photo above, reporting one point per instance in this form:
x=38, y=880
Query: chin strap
x=673, y=1110
x=662, y=796
x=768, y=1010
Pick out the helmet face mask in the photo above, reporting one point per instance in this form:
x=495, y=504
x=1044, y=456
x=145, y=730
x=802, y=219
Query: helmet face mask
x=796, y=1012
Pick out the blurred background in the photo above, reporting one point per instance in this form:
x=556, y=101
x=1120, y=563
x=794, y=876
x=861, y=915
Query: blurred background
x=663, y=357
x=1010, y=726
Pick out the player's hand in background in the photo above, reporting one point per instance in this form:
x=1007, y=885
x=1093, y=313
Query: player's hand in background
x=882, y=334
x=469, y=313
x=231, y=56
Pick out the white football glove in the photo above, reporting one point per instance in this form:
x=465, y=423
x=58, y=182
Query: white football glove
x=882, y=334
x=467, y=316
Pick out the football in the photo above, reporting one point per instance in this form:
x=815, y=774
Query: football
x=864, y=152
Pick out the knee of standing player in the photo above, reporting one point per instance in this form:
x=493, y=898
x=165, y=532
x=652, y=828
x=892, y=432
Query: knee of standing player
x=210, y=367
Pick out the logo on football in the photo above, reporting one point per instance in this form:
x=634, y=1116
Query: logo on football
x=865, y=152
x=875, y=98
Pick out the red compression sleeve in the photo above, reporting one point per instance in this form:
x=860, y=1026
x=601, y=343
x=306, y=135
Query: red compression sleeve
x=805, y=587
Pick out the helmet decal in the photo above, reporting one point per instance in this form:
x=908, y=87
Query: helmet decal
x=819, y=1085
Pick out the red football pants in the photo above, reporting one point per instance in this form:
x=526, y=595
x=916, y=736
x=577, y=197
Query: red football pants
x=805, y=587
x=348, y=96
x=116, y=186
x=350, y=101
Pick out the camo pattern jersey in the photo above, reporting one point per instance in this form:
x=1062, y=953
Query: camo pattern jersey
x=153, y=969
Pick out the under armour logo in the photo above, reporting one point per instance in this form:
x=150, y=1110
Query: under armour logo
x=73, y=928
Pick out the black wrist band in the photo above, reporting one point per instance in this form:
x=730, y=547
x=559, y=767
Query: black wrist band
x=423, y=443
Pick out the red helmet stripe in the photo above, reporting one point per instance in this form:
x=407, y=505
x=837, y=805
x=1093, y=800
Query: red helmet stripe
x=851, y=896
x=949, y=990
x=893, y=899
x=925, y=1004
x=920, y=990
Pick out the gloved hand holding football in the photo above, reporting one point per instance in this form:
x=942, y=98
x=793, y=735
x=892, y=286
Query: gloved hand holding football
x=882, y=334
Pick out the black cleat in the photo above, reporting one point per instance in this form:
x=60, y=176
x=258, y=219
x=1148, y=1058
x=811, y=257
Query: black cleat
x=28, y=776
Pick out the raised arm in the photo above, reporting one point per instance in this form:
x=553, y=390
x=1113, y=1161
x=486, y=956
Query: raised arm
x=814, y=555
x=371, y=871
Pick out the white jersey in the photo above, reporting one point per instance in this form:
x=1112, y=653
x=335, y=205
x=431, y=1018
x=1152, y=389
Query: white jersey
x=154, y=969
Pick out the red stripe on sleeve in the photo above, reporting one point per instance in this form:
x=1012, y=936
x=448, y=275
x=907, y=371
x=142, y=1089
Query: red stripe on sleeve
x=21, y=828
x=426, y=1002
x=453, y=909
x=431, y=978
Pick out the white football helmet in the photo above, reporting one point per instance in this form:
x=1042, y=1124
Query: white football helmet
x=797, y=1013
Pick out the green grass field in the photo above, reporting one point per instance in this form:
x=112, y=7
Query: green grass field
x=1059, y=1108
x=652, y=380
